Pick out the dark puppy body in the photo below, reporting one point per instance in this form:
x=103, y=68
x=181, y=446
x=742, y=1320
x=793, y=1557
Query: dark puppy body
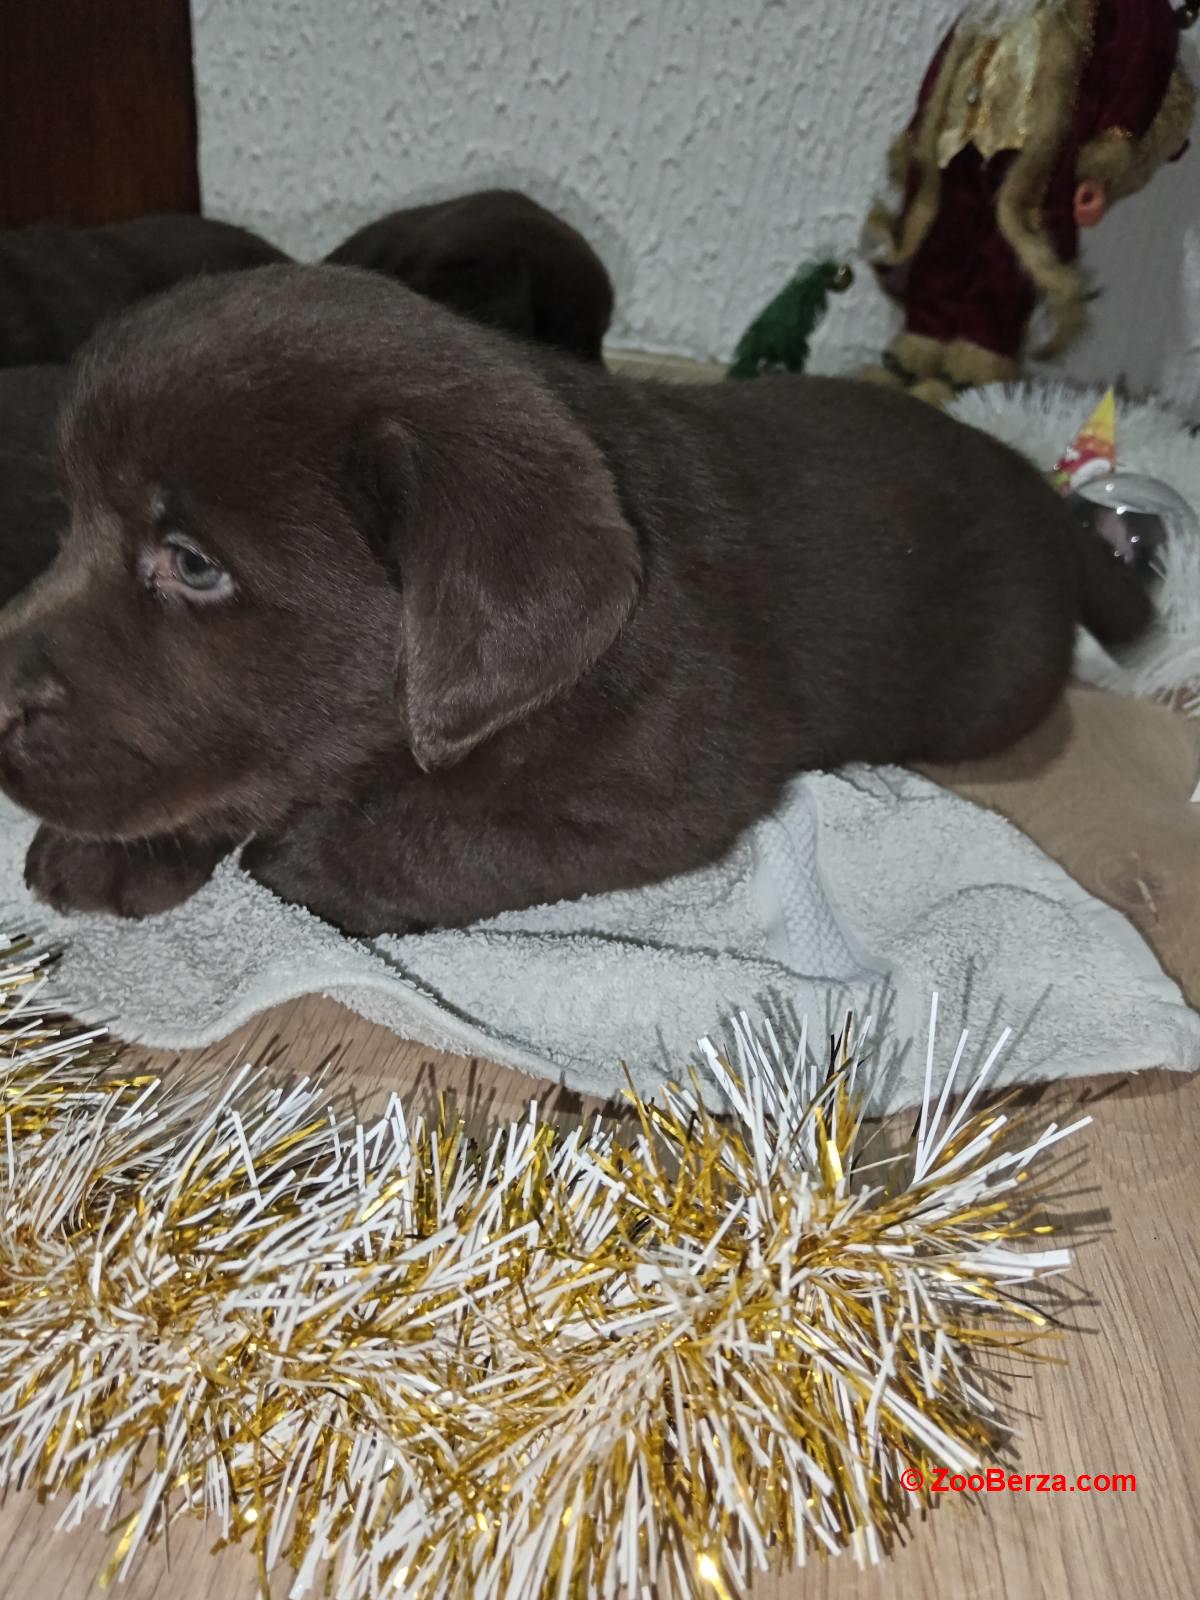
x=499, y=258
x=450, y=628
x=33, y=509
x=57, y=284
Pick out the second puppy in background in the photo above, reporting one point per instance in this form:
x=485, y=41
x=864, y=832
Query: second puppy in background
x=58, y=284
x=33, y=509
x=498, y=258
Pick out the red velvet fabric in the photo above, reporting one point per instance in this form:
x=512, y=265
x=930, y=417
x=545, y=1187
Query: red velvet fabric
x=965, y=282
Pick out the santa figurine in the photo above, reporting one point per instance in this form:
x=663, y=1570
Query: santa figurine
x=1034, y=118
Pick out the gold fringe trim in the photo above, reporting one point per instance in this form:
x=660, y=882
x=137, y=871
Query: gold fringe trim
x=919, y=355
x=914, y=226
x=970, y=365
x=934, y=392
x=883, y=376
x=1061, y=284
x=900, y=153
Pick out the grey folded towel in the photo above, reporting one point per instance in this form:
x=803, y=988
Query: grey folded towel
x=867, y=890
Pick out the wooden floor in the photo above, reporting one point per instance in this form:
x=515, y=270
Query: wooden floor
x=1105, y=789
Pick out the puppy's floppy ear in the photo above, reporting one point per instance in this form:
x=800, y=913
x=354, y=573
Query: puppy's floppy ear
x=515, y=562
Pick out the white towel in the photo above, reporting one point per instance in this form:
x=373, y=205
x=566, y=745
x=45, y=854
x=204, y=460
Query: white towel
x=866, y=891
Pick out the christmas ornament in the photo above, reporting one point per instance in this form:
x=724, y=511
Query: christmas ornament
x=1136, y=516
x=1032, y=121
x=659, y=1354
x=1093, y=451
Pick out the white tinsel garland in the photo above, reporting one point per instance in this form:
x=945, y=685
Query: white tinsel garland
x=673, y=1351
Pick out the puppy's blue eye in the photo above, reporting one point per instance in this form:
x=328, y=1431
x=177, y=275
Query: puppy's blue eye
x=192, y=567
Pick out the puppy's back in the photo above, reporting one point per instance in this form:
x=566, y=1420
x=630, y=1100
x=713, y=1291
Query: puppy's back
x=893, y=583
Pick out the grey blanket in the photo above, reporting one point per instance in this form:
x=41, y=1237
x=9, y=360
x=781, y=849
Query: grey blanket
x=866, y=891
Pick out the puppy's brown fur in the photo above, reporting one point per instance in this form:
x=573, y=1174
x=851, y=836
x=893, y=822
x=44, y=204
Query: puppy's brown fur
x=491, y=627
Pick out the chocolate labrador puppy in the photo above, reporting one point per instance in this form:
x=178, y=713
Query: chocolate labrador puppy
x=499, y=258
x=443, y=625
x=57, y=284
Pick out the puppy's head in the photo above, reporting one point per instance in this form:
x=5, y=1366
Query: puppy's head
x=499, y=258
x=317, y=525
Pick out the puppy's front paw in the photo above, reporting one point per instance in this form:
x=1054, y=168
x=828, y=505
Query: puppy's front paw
x=136, y=879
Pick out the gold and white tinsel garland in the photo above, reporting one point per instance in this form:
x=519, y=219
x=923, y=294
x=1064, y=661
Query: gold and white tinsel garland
x=651, y=1355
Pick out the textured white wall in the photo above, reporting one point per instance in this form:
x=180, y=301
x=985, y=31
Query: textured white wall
x=704, y=146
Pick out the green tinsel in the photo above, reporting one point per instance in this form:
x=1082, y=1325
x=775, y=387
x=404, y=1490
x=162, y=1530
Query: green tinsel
x=778, y=338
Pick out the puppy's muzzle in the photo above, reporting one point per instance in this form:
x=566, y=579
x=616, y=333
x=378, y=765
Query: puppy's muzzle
x=30, y=690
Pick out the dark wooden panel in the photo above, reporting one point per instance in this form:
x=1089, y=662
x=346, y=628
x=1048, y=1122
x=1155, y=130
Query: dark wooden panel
x=97, y=110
